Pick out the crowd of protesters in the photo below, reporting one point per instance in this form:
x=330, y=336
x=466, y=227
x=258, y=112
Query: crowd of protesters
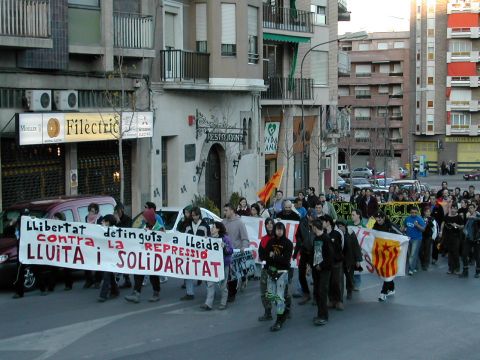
x=442, y=223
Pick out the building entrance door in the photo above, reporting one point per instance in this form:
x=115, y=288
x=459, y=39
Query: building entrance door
x=213, y=176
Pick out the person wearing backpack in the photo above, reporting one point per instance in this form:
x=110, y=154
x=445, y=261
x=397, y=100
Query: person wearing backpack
x=471, y=240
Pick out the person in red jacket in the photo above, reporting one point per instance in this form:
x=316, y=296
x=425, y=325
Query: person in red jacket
x=267, y=305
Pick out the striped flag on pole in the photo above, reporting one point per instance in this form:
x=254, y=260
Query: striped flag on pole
x=266, y=192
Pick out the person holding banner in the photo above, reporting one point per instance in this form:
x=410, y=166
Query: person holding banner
x=150, y=224
x=278, y=254
x=357, y=220
x=93, y=278
x=198, y=227
x=382, y=223
x=336, y=278
x=322, y=264
x=267, y=305
x=219, y=231
x=109, y=282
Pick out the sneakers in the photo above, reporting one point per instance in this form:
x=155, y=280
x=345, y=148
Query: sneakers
x=318, y=321
x=382, y=297
x=133, y=297
x=266, y=317
x=390, y=292
x=434, y=262
x=410, y=272
x=449, y=272
x=155, y=297
x=306, y=298
x=222, y=307
x=339, y=306
x=205, y=307
x=163, y=279
x=187, y=297
x=101, y=299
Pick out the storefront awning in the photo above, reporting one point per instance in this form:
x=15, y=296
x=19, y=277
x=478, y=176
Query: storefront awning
x=285, y=38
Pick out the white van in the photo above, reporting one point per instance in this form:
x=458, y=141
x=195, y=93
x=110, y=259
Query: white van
x=343, y=170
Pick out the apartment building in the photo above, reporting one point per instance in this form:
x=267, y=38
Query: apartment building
x=445, y=73
x=299, y=107
x=374, y=93
x=75, y=70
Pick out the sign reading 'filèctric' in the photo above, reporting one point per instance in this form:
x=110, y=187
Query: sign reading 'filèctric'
x=51, y=128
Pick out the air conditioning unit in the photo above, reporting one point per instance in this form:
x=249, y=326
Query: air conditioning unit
x=38, y=100
x=65, y=99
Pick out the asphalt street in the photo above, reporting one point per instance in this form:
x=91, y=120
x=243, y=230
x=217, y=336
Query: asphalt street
x=432, y=316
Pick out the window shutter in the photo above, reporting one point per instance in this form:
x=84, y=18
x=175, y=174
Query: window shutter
x=363, y=69
x=228, y=24
x=319, y=67
x=169, y=28
x=201, y=21
x=384, y=68
x=252, y=21
x=461, y=95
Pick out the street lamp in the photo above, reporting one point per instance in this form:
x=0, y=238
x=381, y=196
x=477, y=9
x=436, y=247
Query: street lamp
x=359, y=35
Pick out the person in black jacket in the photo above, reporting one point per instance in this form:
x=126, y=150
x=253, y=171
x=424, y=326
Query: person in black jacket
x=278, y=254
x=198, y=227
x=426, y=247
x=382, y=223
x=287, y=213
x=352, y=255
x=322, y=265
x=123, y=221
x=304, y=245
x=335, y=288
x=312, y=199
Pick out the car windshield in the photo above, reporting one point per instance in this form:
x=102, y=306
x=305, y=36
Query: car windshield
x=360, y=181
x=8, y=216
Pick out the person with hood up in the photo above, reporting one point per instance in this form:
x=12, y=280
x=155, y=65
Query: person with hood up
x=267, y=305
x=150, y=224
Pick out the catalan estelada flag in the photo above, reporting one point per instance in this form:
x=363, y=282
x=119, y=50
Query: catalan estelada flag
x=385, y=257
x=266, y=192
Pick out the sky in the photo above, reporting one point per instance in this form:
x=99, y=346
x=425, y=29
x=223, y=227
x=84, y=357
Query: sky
x=376, y=16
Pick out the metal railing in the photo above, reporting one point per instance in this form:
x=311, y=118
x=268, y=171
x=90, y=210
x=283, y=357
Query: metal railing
x=26, y=18
x=132, y=31
x=181, y=65
x=280, y=88
x=281, y=18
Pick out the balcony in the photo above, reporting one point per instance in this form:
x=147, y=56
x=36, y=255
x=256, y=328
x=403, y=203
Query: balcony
x=362, y=118
x=396, y=116
x=464, y=32
x=462, y=81
x=462, y=129
x=363, y=94
x=180, y=66
x=462, y=105
x=286, y=19
x=396, y=73
x=363, y=75
x=280, y=88
x=462, y=56
x=343, y=13
x=133, y=32
x=396, y=96
x=467, y=7
x=25, y=24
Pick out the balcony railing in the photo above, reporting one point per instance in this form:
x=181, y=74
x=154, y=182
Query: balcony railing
x=362, y=118
x=180, y=66
x=363, y=94
x=132, y=31
x=280, y=18
x=26, y=18
x=280, y=88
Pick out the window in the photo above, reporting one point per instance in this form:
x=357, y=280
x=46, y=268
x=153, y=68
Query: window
x=461, y=95
x=252, y=35
x=418, y=80
x=430, y=104
x=383, y=89
x=418, y=56
x=362, y=70
x=430, y=23
x=169, y=30
x=431, y=53
x=382, y=111
x=85, y=3
x=431, y=32
x=362, y=135
x=343, y=91
x=399, y=45
x=384, y=68
x=430, y=123
x=460, y=121
x=364, y=47
x=201, y=27
x=430, y=80
x=319, y=65
x=397, y=69
x=382, y=46
x=362, y=92
x=362, y=113
x=68, y=215
x=320, y=17
x=460, y=45
x=229, y=35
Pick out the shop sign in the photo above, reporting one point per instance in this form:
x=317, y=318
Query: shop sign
x=272, y=129
x=462, y=139
x=225, y=137
x=48, y=128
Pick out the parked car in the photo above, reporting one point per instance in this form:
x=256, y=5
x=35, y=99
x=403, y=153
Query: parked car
x=472, y=175
x=362, y=172
x=343, y=170
x=403, y=173
x=358, y=183
x=409, y=185
x=173, y=215
x=75, y=208
x=341, y=184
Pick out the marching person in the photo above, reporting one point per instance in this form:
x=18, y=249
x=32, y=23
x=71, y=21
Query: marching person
x=123, y=221
x=312, y=199
x=368, y=205
x=430, y=233
x=237, y=232
x=322, y=264
x=472, y=240
x=414, y=226
x=93, y=217
x=278, y=202
x=109, y=282
x=382, y=223
x=243, y=209
x=150, y=224
x=219, y=231
x=352, y=256
x=287, y=213
x=336, y=278
x=278, y=253
x=198, y=227
x=357, y=221
x=267, y=305
x=452, y=231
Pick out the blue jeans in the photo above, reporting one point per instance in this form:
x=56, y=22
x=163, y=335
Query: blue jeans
x=189, y=286
x=414, y=250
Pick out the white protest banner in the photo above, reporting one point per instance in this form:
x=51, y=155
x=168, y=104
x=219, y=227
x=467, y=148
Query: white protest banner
x=243, y=264
x=256, y=230
x=129, y=251
x=383, y=253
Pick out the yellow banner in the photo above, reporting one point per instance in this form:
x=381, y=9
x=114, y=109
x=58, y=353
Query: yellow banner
x=91, y=127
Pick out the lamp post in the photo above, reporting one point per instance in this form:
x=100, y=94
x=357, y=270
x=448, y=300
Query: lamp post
x=360, y=35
